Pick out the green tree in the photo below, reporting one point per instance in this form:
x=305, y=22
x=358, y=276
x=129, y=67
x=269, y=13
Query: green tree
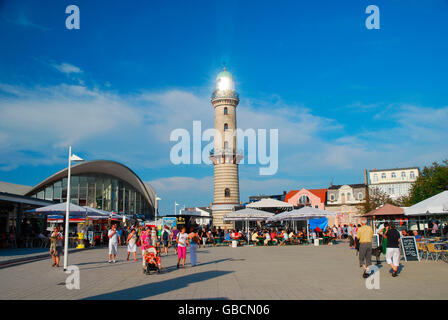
x=432, y=180
x=376, y=199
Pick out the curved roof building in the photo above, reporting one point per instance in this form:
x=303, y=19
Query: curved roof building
x=102, y=184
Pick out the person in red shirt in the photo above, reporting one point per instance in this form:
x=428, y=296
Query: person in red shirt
x=274, y=237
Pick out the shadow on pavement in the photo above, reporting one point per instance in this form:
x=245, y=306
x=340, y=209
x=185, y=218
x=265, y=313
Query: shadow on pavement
x=213, y=261
x=23, y=252
x=156, y=288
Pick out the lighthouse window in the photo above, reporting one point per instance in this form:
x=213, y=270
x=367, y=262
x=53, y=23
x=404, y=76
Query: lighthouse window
x=227, y=192
x=226, y=111
x=226, y=126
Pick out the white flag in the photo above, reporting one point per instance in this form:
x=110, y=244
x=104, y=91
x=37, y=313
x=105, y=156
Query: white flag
x=76, y=158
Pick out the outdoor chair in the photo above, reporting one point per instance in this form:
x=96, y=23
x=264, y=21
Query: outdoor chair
x=422, y=251
x=433, y=251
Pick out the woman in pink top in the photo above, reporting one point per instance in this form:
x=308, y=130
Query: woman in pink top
x=145, y=240
x=182, y=243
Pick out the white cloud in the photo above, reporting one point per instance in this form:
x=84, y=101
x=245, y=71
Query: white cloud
x=67, y=68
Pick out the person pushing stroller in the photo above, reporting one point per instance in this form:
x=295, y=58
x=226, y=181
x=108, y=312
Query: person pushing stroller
x=152, y=260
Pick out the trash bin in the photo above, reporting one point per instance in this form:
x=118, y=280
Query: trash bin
x=316, y=242
x=234, y=244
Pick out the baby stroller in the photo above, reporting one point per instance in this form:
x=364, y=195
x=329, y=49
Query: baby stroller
x=152, y=260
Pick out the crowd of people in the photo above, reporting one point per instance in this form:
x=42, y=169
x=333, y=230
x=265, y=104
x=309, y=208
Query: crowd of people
x=143, y=238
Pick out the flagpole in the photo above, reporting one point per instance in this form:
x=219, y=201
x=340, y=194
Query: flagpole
x=67, y=210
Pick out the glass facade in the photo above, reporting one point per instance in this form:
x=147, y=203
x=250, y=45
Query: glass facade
x=98, y=191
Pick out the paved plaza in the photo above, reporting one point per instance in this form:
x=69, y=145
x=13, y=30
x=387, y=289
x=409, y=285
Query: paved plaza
x=293, y=272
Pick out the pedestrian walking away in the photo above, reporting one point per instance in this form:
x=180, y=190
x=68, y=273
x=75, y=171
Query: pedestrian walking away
x=392, y=250
x=193, y=237
x=365, y=235
x=166, y=239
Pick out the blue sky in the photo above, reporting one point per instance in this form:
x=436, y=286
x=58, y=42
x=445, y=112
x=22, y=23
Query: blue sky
x=343, y=97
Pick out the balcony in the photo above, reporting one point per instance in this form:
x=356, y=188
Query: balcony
x=225, y=152
x=225, y=94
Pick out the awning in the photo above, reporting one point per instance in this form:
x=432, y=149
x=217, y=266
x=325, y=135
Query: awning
x=386, y=210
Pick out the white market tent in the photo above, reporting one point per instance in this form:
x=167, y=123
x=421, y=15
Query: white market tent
x=270, y=203
x=304, y=213
x=436, y=205
x=248, y=214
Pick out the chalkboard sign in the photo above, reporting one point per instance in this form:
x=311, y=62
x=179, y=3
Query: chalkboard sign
x=410, y=250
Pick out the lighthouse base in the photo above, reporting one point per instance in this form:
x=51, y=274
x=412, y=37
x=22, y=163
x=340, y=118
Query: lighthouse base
x=218, y=213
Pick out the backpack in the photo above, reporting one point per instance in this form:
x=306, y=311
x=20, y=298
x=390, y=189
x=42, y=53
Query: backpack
x=165, y=235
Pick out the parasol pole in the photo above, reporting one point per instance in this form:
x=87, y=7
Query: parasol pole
x=307, y=230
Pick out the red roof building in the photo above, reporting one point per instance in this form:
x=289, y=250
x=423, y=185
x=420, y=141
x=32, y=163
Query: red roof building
x=309, y=197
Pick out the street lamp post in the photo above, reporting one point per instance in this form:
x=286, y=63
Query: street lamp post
x=67, y=208
x=175, y=206
x=157, y=206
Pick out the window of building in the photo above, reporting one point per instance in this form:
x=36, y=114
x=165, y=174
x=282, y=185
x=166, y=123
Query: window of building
x=226, y=111
x=227, y=192
x=393, y=175
x=349, y=195
x=375, y=177
x=403, y=175
x=316, y=206
x=412, y=175
x=304, y=199
x=383, y=176
x=332, y=197
x=360, y=196
x=226, y=127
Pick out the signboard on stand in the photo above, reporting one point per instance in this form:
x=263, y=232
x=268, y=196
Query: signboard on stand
x=409, y=248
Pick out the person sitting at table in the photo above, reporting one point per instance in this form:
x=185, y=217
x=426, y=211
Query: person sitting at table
x=417, y=236
x=318, y=232
x=285, y=238
x=291, y=235
x=254, y=237
x=228, y=238
x=267, y=238
x=274, y=237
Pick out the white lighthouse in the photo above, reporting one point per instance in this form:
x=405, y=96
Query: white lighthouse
x=225, y=156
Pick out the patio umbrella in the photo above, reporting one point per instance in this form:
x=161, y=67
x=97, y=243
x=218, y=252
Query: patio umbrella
x=248, y=214
x=60, y=208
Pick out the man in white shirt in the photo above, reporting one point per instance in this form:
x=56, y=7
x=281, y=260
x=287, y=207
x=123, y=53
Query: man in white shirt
x=267, y=238
x=114, y=239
